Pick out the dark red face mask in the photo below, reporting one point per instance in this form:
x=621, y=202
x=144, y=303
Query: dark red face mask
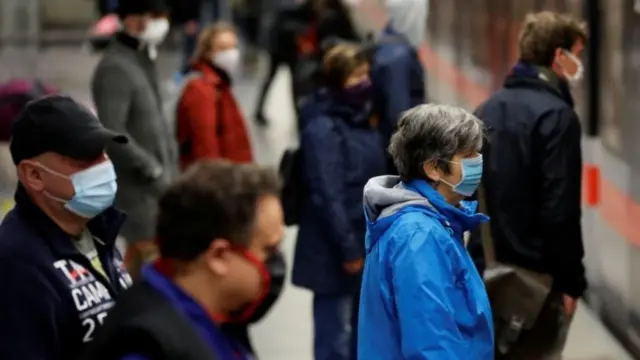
x=272, y=272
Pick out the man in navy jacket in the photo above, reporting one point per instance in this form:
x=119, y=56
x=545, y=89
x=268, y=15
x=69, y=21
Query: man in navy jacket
x=61, y=270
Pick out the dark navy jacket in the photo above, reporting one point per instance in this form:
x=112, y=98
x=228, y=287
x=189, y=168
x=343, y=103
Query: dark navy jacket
x=52, y=299
x=532, y=176
x=398, y=79
x=340, y=153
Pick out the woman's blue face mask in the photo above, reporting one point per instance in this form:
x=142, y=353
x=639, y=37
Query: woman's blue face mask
x=471, y=175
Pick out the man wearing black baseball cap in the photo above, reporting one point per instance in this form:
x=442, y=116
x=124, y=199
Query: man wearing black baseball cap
x=127, y=97
x=60, y=269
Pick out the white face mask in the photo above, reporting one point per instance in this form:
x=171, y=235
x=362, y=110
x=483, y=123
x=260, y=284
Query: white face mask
x=155, y=32
x=579, y=74
x=228, y=60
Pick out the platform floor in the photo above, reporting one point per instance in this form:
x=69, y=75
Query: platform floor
x=286, y=333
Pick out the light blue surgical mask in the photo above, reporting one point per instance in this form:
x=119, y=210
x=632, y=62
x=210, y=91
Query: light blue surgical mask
x=471, y=169
x=94, y=189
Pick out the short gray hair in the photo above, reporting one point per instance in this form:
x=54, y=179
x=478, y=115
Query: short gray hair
x=433, y=132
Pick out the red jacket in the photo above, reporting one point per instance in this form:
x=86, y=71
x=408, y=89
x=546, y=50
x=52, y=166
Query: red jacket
x=209, y=117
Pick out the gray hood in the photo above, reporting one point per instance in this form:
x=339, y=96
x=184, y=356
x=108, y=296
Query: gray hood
x=385, y=196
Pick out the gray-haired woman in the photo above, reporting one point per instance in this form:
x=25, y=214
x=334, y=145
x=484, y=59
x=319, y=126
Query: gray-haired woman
x=422, y=297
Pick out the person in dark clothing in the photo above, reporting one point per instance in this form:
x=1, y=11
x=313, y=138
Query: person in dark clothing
x=533, y=164
x=219, y=228
x=396, y=71
x=192, y=16
x=296, y=39
x=62, y=271
x=126, y=91
x=340, y=151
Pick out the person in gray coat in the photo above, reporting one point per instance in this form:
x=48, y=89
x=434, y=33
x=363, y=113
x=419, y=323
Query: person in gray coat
x=127, y=98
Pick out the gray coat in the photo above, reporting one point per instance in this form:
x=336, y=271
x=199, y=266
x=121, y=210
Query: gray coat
x=127, y=98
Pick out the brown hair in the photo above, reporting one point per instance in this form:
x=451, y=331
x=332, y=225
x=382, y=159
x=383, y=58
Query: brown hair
x=339, y=62
x=212, y=199
x=546, y=31
x=206, y=37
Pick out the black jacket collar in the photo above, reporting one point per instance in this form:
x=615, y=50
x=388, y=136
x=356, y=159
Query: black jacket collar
x=524, y=75
x=105, y=226
x=129, y=41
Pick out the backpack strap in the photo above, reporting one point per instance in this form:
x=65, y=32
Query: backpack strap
x=218, y=105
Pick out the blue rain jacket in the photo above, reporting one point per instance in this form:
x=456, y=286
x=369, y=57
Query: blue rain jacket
x=422, y=297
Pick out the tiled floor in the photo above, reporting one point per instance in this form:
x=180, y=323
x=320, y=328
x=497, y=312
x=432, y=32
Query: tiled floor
x=286, y=333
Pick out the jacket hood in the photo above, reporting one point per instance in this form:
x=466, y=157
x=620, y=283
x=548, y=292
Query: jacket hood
x=386, y=197
x=325, y=103
x=528, y=75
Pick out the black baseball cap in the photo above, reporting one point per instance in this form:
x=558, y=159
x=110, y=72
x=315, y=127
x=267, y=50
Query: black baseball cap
x=59, y=124
x=139, y=7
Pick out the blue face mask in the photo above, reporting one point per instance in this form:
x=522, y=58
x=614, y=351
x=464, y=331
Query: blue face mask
x=471, y=169
x=94, y=189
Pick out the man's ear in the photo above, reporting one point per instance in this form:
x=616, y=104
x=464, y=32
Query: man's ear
x=29, y=175
x=217, y=256
x=431, y=170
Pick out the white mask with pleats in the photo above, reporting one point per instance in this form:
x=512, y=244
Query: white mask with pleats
x=228, y=60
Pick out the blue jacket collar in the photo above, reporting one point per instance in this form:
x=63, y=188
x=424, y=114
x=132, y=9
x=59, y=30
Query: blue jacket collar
x=459, y=219
x=225, y=347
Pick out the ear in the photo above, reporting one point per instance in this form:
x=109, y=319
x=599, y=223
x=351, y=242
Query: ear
x=29, y=175
x=431, y=170
x=218, y=256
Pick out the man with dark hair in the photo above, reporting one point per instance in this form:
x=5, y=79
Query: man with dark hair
x=533, y=165
x=218, y=228
x=62, y=271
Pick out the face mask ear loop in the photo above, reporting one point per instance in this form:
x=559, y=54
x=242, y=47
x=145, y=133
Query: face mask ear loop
x=53, y=172
x=453, y=187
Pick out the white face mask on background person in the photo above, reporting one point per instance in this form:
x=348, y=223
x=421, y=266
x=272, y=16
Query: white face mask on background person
x=228, y=60
x=579, y=74
x=155, y=32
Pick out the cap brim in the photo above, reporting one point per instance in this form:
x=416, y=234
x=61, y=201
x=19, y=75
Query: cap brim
x=93, y=143
x=105, y=137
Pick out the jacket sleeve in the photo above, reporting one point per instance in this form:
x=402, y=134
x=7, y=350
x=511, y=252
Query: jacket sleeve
x=427, y=325
x=112, y=96
x=560, y=210
x=324, y=169
x=395, y=80
x=199, y=104
x=29, y=320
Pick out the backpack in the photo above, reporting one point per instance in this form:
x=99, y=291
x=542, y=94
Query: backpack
x=14, y=95
x=293, y=189
x=171, y=109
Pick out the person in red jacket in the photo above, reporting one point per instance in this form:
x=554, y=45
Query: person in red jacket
x=210, y=124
